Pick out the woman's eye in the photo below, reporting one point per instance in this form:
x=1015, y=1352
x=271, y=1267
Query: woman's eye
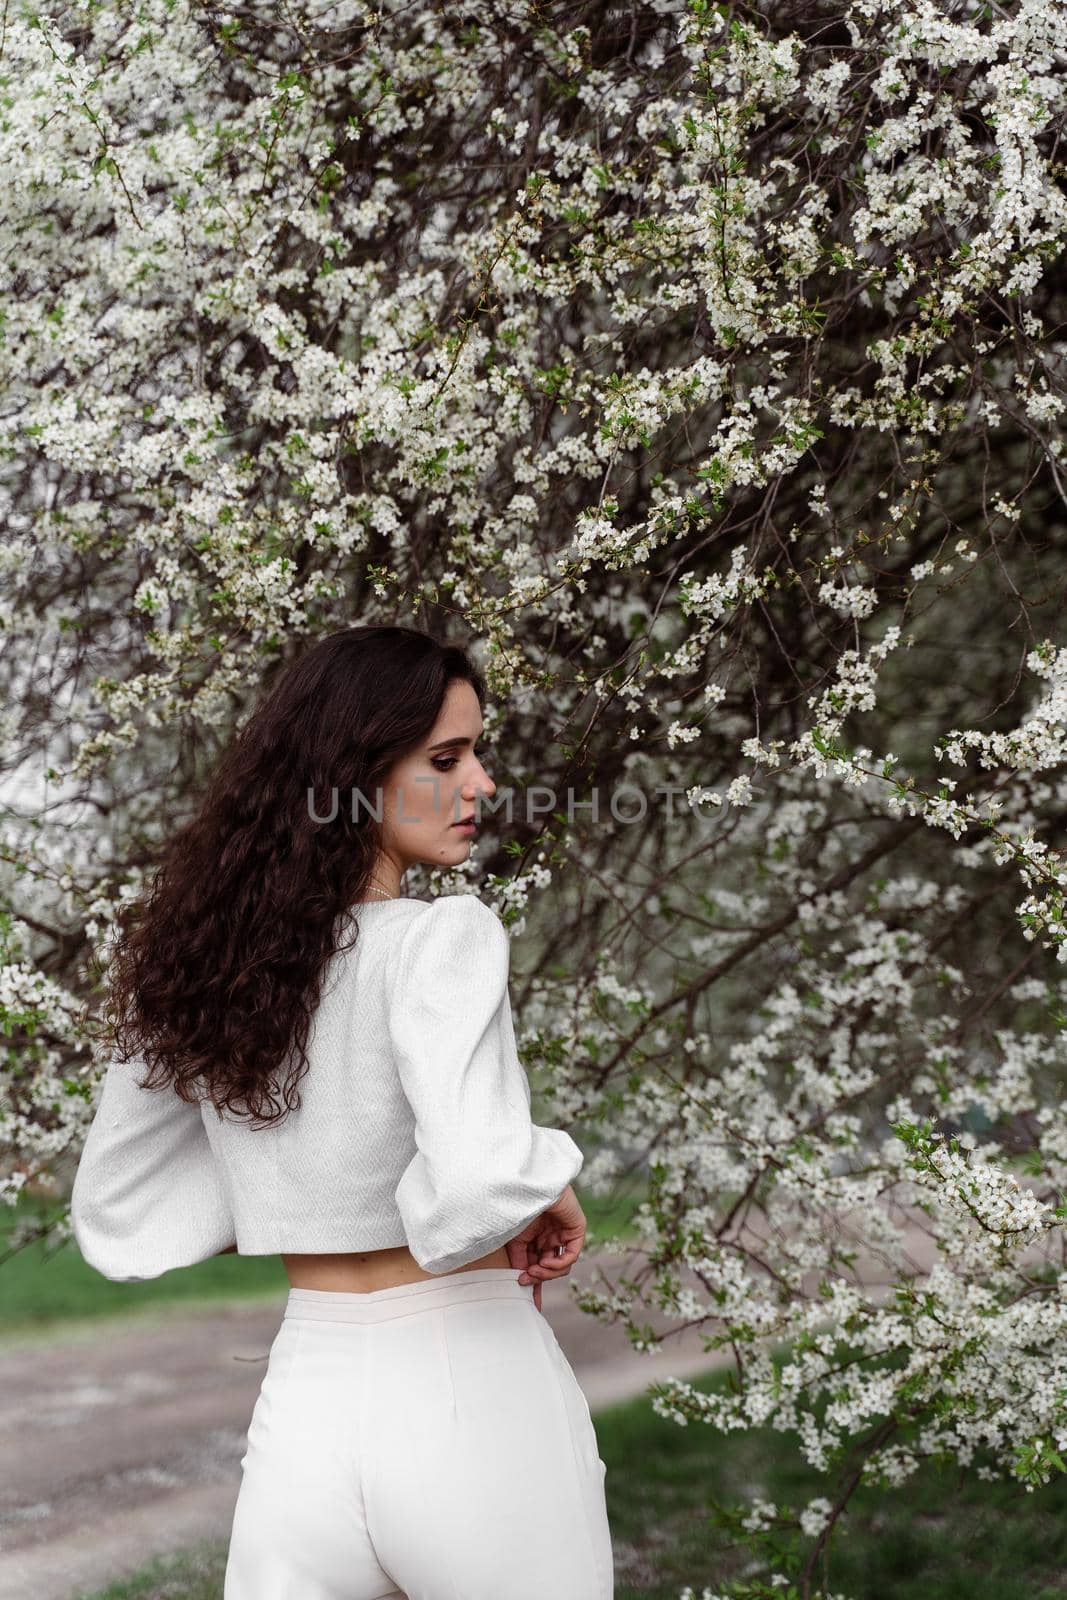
x=446, y=763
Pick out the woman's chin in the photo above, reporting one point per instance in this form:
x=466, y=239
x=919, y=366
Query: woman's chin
x=460, y=843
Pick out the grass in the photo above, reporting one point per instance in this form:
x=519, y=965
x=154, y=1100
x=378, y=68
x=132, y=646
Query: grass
x=933, y=1540
x=194, y=1574
x=938, y=1538
x=45, y=1289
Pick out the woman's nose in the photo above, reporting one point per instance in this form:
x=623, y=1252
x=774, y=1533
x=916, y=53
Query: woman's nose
x=487, y=786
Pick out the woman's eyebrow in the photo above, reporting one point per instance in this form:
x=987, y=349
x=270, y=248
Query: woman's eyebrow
x=448, y=744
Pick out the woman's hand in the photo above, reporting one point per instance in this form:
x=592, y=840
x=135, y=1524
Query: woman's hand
x=549, y=1246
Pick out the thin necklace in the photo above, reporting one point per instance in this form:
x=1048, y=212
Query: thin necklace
x=385, y=894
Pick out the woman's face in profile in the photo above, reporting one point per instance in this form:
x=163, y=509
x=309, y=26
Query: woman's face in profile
x=432, y=788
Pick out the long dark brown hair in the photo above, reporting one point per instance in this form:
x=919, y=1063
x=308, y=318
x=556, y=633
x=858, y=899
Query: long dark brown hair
x=215, y=974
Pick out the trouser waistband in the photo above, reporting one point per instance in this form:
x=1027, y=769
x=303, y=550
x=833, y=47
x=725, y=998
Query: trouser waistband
x=401, y=1299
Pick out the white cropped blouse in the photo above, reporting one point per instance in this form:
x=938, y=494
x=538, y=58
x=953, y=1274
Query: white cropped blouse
x=414, y=1125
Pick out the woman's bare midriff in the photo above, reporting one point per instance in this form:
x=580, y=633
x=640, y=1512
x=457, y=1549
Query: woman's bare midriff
x=361, y=1272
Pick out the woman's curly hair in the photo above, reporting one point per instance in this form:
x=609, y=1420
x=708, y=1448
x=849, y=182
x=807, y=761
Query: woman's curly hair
x=216, y=973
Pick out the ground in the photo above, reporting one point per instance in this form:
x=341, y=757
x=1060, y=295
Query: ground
x=122, y=1439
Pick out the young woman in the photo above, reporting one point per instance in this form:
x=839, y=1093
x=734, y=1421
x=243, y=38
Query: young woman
x=419, y=1433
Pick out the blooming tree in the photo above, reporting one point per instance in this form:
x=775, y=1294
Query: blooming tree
x=704, y=363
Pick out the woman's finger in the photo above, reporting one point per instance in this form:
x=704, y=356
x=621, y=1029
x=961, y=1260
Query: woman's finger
x=554, y=1266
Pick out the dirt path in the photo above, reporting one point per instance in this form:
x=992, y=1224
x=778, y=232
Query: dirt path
x=120, y=1441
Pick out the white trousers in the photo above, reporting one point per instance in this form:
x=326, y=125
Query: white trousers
x=428, y=1441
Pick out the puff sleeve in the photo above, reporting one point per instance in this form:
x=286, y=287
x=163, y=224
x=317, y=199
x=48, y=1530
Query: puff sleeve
x=147, y=1195
x=482, y=1169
